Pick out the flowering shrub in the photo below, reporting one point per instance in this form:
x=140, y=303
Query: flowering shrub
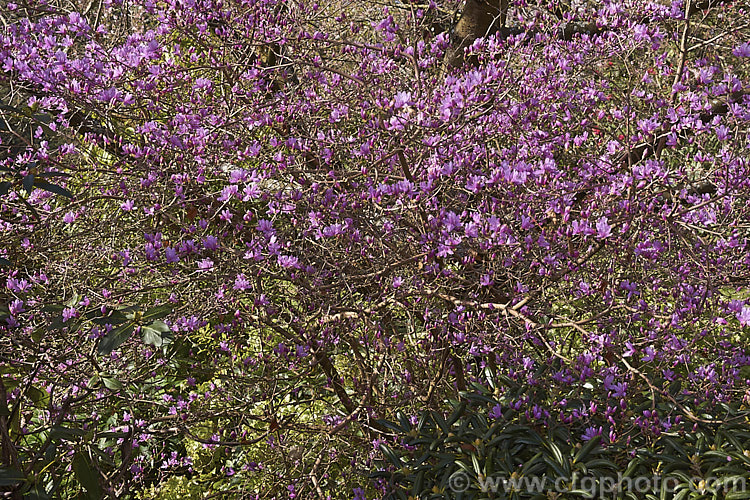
x=480, y=450
x=239, y=237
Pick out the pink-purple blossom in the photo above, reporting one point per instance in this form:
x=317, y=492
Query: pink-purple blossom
x=742, y=50
x=603, y=229
x=744, y=316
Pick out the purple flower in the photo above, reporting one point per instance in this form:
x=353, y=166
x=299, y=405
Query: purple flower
x=16, y=307
x=151, y=252
x=18, y=286
x=333, y=230
x=452, y=221
x=359, y=494
x=401, y=99
x=581, y=227
x=339, y=112
x=742, y=50
x=648, y=126
x=722, y=132
x=188, y=246
x=226, y=215
x=171, y=255
x=236, y=176
x=251, y=191
x=205, y=264
x=650, y=354
x=288, y=261
x=128, y=205
x=629, y=350
x=618, y=389
x=603, y=229
x=744, y=316
x=591, y=433
x=241, y=282
x=265, y=226
x=202, y=83
x=211, y=243
x=68, y=313
x=228, y=192
x=496, y=412
x=69, y=217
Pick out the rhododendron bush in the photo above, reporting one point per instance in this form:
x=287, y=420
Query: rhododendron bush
x=240, y=239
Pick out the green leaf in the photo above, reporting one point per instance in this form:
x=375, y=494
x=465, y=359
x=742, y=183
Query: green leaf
x=682, y=494
x=10, y=477
x=735, y=442
x=632, y=466
x=391, y=456
x=561, y=474
x=556, y=453
x=42, y=117
x=417, y=488
x=39, y=397
x=457, y=413
x=157, y=334
x=5, y=262
x=115, y=338
x=28, y=183
x=53, y=188
x=490, y=376
x=475, y=464
x=66, y=433
x=4, y=188
x=73, y=300
x=103, y=457
x=112, y=383
x=529, y=464
x=465, y=467
x=587, y=448
x=601, y=463
x=87, y=476
x=581, y=493
x=115, y=318
x=392, y=426
x=157, y=312
x=53, y=308
x=477, y=398
x=676, y=446
x=402, y=419
x=440, y=421
x=50, y=453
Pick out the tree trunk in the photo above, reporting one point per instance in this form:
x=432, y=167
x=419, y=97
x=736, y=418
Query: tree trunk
x=479, y=18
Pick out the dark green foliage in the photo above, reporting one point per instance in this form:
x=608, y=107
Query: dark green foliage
x=469, y=455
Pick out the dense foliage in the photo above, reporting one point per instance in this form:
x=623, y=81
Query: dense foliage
x=257, y=248
x=480, y=450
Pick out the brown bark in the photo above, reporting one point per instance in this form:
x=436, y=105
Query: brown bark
x=483, y=17
x=335, y=378
x=478, y=19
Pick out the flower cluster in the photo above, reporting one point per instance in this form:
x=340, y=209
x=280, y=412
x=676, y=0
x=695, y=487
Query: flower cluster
x=334, y=227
